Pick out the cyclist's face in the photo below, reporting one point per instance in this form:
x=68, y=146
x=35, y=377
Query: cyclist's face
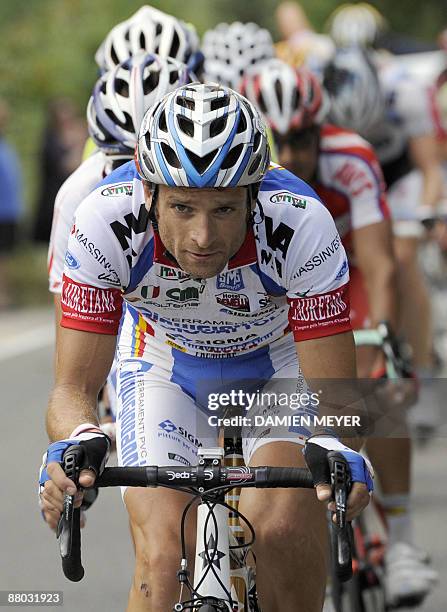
x=298, y=152
x=202, y=228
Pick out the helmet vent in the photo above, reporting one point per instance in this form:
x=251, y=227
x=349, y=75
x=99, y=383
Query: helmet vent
x=170, y=156
x=142, y=41
x=242, y=125
x=279, y=96
x=114, y=56
x=122, y=88
x=127, y=124
x=261, y=103
x=148, y=163
x=217, y=126
x=162, y=122
x=186, y=102
x=158, y=29
x=219, y=103
x=254, y=165
x=201, y=164
x=232, y=157
x=186, y=125
x=147, y=139
x=173, y=77
x=257, y=141
x=175, y=45
x=150, y=83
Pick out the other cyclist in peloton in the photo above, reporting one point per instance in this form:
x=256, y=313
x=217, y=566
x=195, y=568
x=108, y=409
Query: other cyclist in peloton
x=344, y=171
x=208, y=260
x=230, y=50
x=393, y=116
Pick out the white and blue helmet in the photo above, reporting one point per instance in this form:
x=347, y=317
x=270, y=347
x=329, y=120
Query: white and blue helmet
x=121, y=97
x=203, y=136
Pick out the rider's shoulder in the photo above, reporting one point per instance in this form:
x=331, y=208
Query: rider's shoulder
x=339, y=141
x=280, y=186
x=82, y=180
x=119, y=193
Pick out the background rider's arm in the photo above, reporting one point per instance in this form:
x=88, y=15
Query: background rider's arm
x=374, y=257
x=84, y=360
x=424, y=152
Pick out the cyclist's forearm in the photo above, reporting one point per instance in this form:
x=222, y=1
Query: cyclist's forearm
x=432, y=186
x=382, y=295
x=69, y=406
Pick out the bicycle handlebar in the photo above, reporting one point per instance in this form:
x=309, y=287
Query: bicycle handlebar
x=207, y=478
x=199, y=479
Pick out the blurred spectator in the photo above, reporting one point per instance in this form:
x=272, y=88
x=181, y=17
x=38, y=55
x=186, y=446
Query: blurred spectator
x=301, y=44
x=61, y=153
x=10, y=206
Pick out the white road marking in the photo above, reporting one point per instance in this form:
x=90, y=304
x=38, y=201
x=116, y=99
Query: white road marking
x=27, y=341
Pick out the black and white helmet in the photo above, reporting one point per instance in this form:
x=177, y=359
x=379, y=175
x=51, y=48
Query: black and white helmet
x=203, y=136
x=356, y=98
x=231, y=50
x=121, y=97
x=151, y=31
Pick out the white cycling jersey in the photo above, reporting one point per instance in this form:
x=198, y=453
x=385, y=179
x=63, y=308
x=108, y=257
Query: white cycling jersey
x=76, y=187
x=287, y=282
x=408, y=113
x=289, y=275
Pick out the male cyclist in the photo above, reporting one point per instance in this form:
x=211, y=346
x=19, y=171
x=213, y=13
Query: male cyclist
x=343, y=169
x=208, y=258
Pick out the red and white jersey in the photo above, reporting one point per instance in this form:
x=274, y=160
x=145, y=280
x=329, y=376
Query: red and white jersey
x=77, y=187
x=349, y=181
x=290, y=275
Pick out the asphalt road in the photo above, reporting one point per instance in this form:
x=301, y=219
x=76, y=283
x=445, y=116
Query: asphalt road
x=29, y=556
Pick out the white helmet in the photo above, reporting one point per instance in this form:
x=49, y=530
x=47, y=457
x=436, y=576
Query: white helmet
x=230, y=50
x=356, y=98
x=356, y=25
x=203, y=136
x=289, y=98
x=122, y=96
x=148, y=30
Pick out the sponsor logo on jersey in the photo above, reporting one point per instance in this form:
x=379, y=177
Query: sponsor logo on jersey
x=176, y=346
x=178, y=458
x=319, y=258
x=169, y=427
x=230, y=280
x=234, y=301
x=319, y=307
x=150, y=291
x=118, y=189
x=188, y=294
x=168, y=273
x=71, y=261
x=112, y=275
x=132, y=224
x=89, y=300
x=285, y=197
x=343, y=270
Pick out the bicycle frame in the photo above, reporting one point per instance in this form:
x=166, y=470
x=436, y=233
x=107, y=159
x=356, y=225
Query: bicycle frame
x=229, y=572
